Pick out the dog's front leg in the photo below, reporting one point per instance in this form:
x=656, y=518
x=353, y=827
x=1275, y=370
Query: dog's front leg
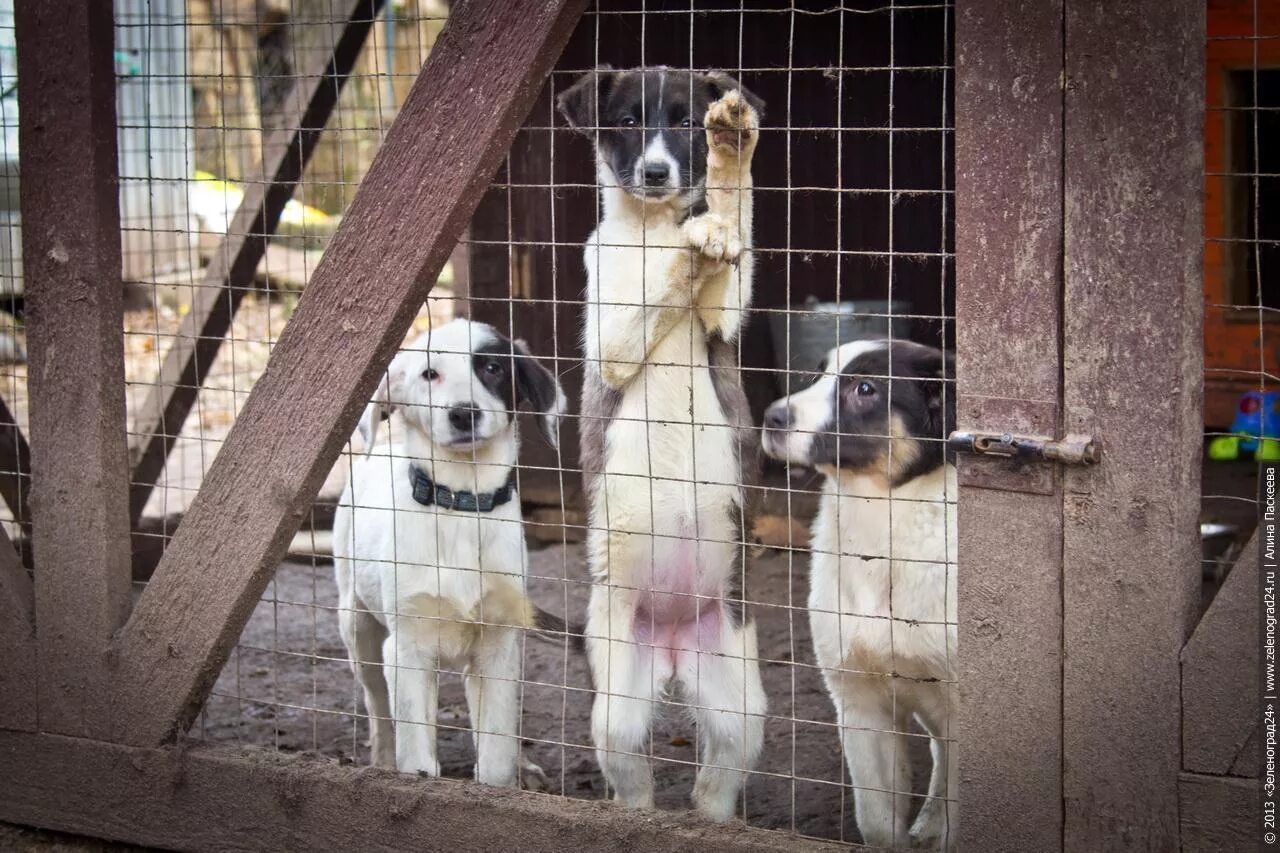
x=364, y=637
x=624, y=324
x=411, y=681
x=733, y=129
x=936, y=826
x=493, y=697
x=876, y=753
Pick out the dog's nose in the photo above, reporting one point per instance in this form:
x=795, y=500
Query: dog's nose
x=777, y=416
x=656, y=173
x=463, y=418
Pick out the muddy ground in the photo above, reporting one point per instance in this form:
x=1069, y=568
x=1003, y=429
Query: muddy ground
x=288, y=686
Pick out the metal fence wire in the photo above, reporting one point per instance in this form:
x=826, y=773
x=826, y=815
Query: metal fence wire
x=851, y=241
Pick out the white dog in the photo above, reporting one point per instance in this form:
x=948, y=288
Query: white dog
x=882, y=599
x=429, y=547
x=666, y=429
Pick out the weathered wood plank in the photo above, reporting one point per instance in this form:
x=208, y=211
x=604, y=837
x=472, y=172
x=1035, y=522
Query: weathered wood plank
x=17, y=641
x=461, y=114
x=1008, y=291
x=203, y=798
x=1218, y=815
x=15, y=468
x=71, y=255
x=1133, y=375
x=1220, y=673
x=231, y=272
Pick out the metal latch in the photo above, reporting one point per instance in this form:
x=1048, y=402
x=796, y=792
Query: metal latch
x=1071, y=450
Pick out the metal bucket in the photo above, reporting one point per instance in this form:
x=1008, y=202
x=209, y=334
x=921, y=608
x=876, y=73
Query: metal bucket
x=819, y=326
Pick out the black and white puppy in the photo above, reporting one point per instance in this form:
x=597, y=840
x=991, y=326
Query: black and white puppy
x=666, y=428
x=429, y=547
x=882, y=596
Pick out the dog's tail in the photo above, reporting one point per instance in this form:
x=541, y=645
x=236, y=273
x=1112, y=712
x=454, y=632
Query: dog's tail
x=551, y=628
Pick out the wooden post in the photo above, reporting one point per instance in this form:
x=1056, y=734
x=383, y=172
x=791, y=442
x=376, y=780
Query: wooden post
x=1132, y=373
x=71, y=254
x=1008, y=307
x=231, y=271
x=474, y=91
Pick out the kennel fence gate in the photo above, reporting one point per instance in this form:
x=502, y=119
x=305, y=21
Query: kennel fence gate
x=1054, y=318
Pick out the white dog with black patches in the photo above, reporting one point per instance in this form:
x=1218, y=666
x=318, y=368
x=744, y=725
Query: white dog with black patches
x=429, y=547
x=666, y=429
x=882, y=597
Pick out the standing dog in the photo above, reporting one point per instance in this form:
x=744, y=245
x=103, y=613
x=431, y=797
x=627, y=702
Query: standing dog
x=882, y=597
x=429, y=546
x=666, y=427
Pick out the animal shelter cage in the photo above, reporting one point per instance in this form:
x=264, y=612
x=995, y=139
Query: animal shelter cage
x=294, y=190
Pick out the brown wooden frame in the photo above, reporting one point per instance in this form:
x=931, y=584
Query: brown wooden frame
x=96, y=746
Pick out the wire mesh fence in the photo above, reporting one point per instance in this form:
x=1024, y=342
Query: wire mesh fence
x=762, y=634
x=1242, y=255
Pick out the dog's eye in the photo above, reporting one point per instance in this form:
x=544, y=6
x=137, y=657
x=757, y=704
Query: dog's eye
x=686, y=122
x=628, y=121
x=492, y=368
x=430, y=375
x=866, y=389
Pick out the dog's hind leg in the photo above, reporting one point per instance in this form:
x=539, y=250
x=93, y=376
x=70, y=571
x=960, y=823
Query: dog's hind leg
x=411, y=676
x=628, y=674
x=493, y=697
x=729, y=708
x=364, y=636
x=877, y=757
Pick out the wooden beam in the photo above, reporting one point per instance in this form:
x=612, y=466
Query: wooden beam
x=1133, y=375
x=209, y=798
x=231, y=272
x=17, y=641
x=15, y=468
x=460, y=117
x=71, y=254
x=1219, y=670
x=1008, y=305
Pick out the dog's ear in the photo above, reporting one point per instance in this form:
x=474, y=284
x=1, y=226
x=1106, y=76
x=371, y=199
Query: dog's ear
x=385, y=398
x=538, y=387
x=721, y=84
x=938, y=369
x=580, y=103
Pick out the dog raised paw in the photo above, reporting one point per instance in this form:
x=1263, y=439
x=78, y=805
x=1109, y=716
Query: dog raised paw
x=733, y=126
x=714, y=238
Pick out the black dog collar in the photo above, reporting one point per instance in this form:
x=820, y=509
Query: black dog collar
x=428, y=492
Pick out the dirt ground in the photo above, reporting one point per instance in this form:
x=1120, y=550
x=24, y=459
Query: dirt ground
x=302, y=697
